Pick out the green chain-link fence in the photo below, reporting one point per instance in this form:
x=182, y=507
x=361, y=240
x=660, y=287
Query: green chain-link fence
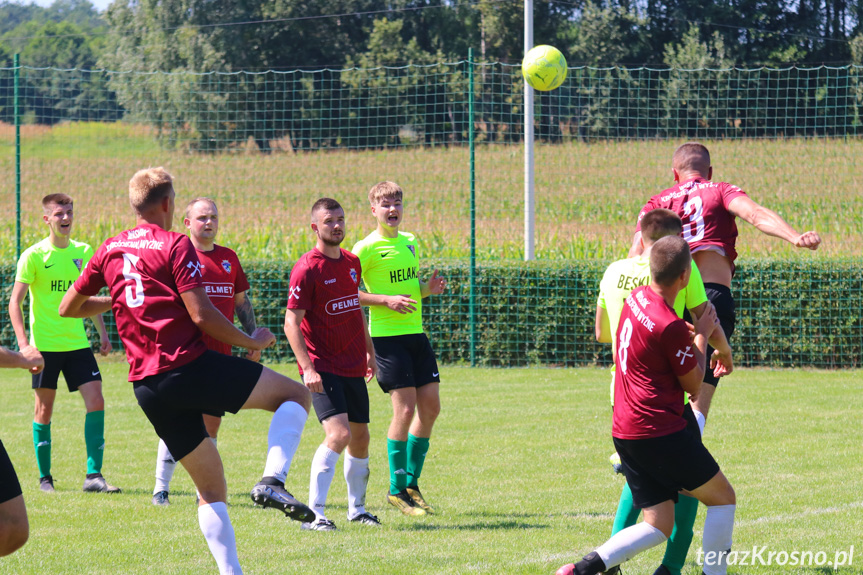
x=266, y=145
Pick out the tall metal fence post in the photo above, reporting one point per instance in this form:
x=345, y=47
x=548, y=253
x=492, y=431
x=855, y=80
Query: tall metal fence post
x=16, y=75
x=470, y=132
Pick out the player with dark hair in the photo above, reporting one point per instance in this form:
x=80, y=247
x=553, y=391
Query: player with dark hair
x=327, y=331
x=14, y=526
x=656, y=361
x=46, y=270
x=158, y=298
x=407, y=367
x=708, y=210
x=617, y=283
x=226, y=284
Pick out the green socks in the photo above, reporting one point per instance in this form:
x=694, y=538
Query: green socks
x=681, y=537
x=397, y=451
x=42, y=444
x=627, y=514
x=417, y=449
x=94, y=438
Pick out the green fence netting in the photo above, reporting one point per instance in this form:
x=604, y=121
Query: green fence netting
x=267, y=145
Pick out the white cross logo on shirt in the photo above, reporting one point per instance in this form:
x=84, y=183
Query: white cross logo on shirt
x=195, y=267
x=685, y=354
x=295, y=293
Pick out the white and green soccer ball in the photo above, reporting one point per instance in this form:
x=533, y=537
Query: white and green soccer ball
x=544, y=68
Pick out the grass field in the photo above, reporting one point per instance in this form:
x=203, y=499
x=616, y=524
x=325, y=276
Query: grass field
x=587, y=195
x=517, y=470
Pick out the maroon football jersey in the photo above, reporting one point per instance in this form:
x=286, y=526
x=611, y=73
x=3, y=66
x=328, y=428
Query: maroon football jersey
x=653, y=349
x=146, y=269
x=223, y=277
x=703, y=207
x=328, y=289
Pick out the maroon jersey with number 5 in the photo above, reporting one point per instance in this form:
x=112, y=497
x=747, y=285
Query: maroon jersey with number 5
x=333, y=328
x=146, y=269
x=703, y=207
x=653, y=349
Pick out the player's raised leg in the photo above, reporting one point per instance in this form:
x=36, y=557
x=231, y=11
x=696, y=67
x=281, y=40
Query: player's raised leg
x=289, y=401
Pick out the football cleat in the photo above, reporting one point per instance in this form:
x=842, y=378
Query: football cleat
x=403, y=502
x=95, y=483
x=613, y=571
x=366, y=519
x=46, y=484
x=614, y=459
x=319, y=524
x=161, y=498
x=275, y=496
x=418, y=500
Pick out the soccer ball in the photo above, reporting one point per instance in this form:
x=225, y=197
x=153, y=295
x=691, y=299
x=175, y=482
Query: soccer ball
x=544, y=68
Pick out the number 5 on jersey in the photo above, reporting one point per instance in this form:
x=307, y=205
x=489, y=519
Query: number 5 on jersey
x=134, y=295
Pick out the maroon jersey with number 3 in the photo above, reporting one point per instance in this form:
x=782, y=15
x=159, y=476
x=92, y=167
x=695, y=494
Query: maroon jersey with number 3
x=703, y=207
x=328, y=290
x=146, y=269
x=223, y=278
x=653, y=349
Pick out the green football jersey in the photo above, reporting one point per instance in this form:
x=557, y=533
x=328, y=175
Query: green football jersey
x=623, y=276
x=50, y=271
x=390, y=267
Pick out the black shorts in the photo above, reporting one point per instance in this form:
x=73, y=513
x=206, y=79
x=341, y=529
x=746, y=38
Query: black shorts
x=174, y=401
x=10, y=488
x=405, y=361
x=722, y=299
x=78, y=367
x=342, y=395
x=656, y=469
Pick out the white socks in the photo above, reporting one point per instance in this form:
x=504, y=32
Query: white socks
x=323, y=470
x=702, y=421
x=357, y=478
x=219, y=533
x=626, y=544
x=718, y=529
x=283, y=438
x=165, y=466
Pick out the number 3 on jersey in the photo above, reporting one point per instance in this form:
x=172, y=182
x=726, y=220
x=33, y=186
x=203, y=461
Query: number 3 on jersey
x=623, y=344
x=134, y=295
x=693, y=220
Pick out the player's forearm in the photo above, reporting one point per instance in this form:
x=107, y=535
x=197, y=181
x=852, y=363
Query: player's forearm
x=369, y=299
x=9, y=358
x=298, y=346
x=719, y=342
x=16, y=318
x=99, y=322
x=246, y=314
x=81, y=306
x=214, y=324
x=769, y=222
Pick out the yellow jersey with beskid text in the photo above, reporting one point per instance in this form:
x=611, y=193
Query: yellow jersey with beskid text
x=391, y=267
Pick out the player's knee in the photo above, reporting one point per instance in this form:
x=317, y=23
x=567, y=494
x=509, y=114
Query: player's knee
x=338, y=439
x=95, y=403
x=13, y=536
x=428, y=410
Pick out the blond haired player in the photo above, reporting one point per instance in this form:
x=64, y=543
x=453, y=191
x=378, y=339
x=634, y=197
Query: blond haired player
x=407, y=368
x=45, y=271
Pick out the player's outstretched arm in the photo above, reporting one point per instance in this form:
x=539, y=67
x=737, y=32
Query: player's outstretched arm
x=769, y=222
x=75, y=304
x=602, y=326
x=400, y=303
x=435, y=285
x=28, y=358
x=211, y=321
x=311, y=378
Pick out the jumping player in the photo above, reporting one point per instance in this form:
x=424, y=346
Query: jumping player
x=161, y=307
x=226, y=284
x=327, y=331
x=407, y=368
x=708, y=210
x=14, y=526
x=656, y=360
x=46, y=270
x=617, y=283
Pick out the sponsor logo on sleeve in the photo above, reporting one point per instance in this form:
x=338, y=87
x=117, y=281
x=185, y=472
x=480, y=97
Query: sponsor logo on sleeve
x=683, y=354
x=196, y=268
